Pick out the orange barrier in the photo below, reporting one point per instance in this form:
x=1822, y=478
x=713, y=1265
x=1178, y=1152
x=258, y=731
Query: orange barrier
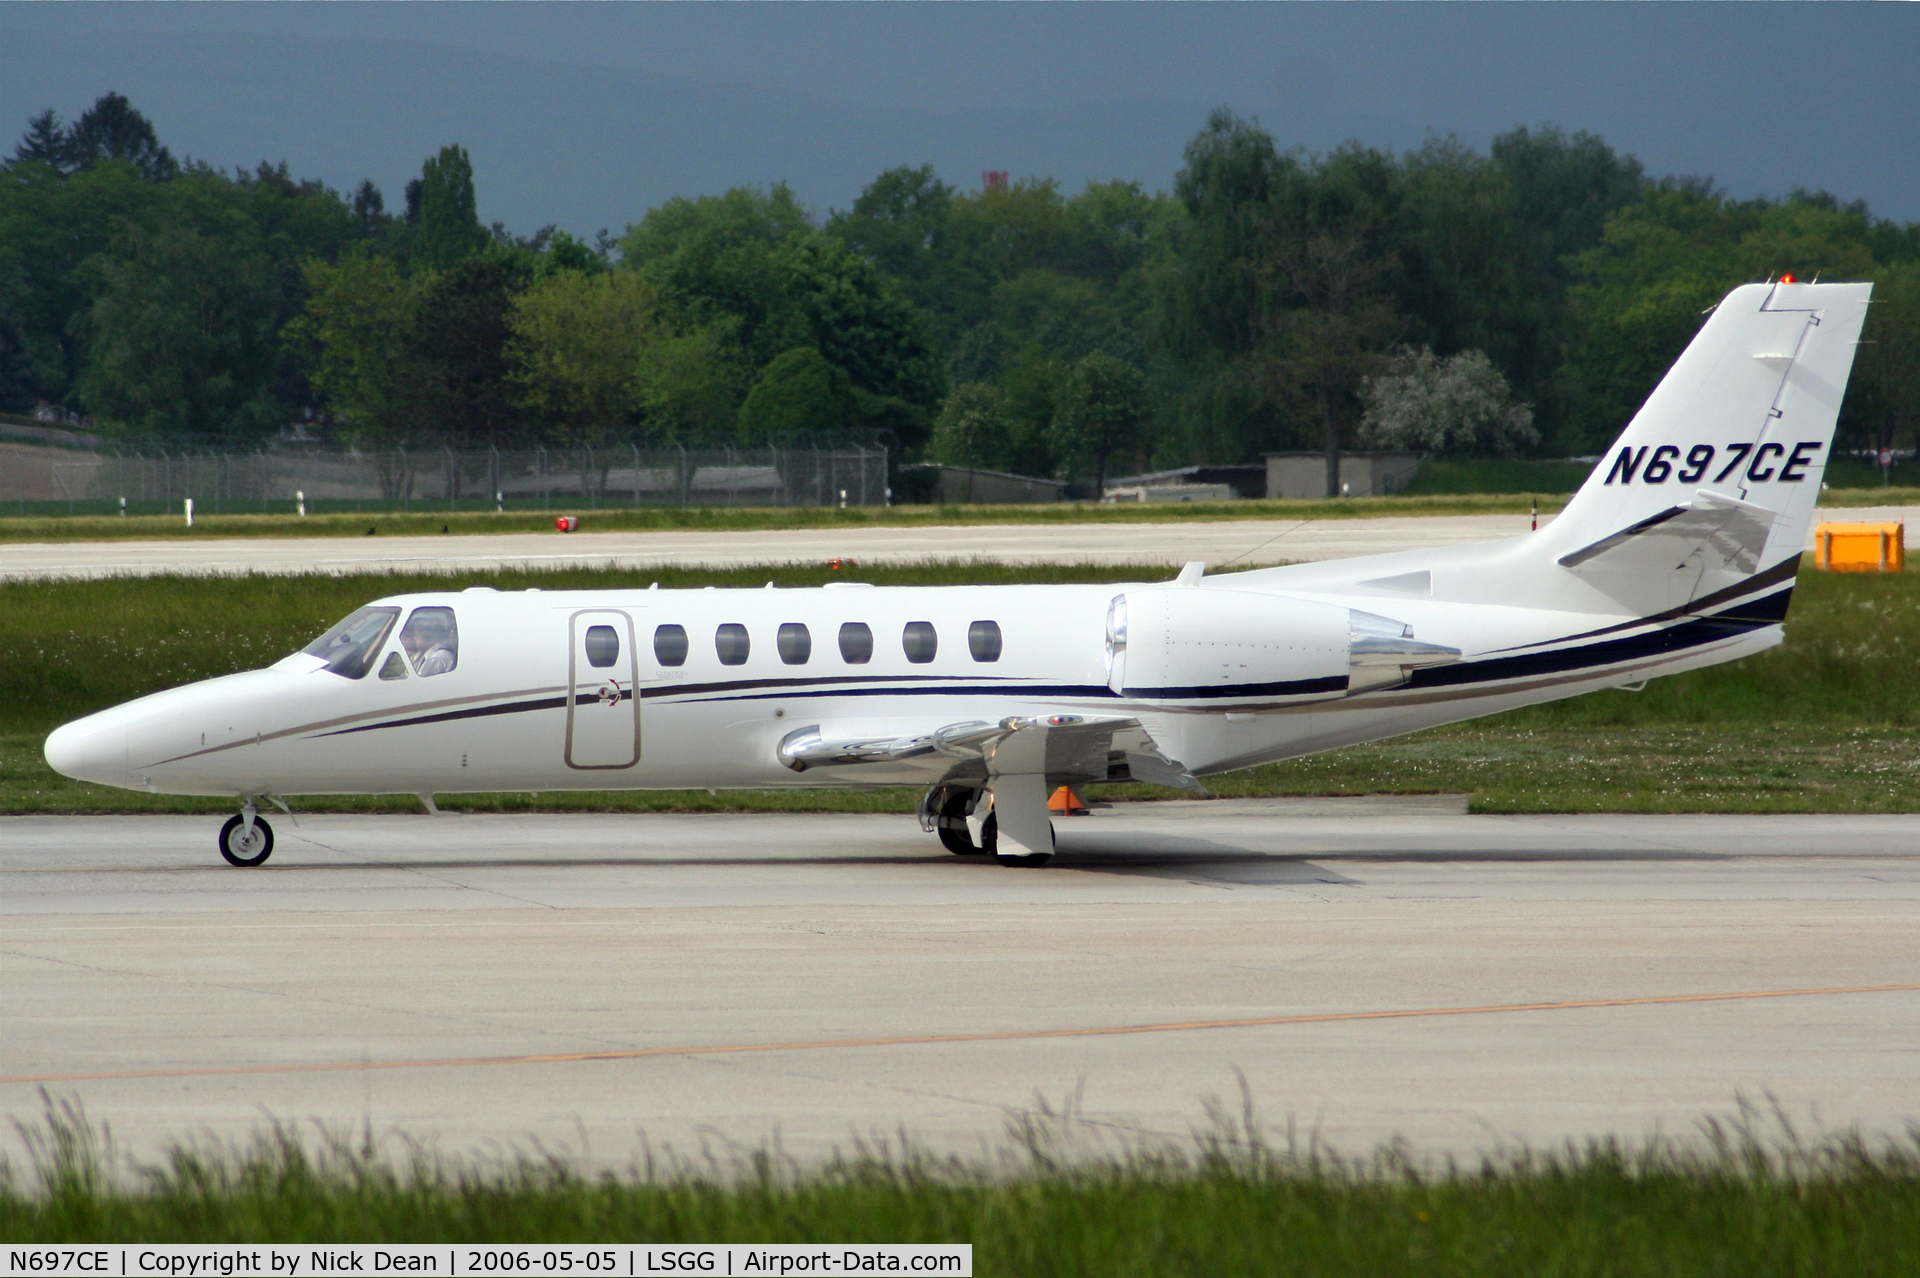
x=1860, y=547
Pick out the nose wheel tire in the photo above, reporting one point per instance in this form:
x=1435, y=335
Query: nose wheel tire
x=245, y=845
x=990, y=842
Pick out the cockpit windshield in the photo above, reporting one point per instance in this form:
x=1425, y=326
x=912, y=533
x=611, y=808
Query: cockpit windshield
x=350, y=647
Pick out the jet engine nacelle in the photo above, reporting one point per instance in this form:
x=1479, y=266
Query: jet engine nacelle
x=1183, y=643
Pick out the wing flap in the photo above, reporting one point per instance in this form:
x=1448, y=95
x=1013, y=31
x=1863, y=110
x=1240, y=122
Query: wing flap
x=1066, y=749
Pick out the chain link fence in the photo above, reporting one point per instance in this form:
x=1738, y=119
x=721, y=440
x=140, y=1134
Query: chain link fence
x=48, y=480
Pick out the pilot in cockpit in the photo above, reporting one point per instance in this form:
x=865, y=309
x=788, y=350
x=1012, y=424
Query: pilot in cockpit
x=431, y=640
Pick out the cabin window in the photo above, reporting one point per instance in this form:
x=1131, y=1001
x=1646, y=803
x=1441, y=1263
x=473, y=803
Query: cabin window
x=983, y=640
x=394, y=667
x=350, y=647
x=920, y=642
x=432, y=641
x=670, y=645
x=856, y=643
x=795, y=644
x=731, y=642
x=603, y=646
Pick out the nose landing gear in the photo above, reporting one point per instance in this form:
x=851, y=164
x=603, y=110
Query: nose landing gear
x=246, y=839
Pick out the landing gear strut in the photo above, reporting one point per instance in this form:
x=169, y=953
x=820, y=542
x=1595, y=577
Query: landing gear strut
x=990, y=842
x=950, y=821
x=246, y=839
x=947, y=813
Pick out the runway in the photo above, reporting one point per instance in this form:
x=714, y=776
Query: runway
x=1219, y=543
x=1373, y=968
x=1257, y=541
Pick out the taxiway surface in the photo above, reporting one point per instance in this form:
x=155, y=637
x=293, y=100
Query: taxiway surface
x=1372, y=968
x=1218, y=543
x=1249, y=542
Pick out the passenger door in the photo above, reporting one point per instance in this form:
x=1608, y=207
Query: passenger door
x=603, y=708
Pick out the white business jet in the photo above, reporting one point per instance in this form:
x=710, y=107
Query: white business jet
x=1678, y=552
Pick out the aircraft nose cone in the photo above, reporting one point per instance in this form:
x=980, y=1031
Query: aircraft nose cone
x=91, y=749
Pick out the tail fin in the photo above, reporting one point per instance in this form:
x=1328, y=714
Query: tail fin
x=1716, y=477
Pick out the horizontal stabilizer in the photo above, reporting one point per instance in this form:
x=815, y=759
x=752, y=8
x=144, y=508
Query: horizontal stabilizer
x=1713, y=532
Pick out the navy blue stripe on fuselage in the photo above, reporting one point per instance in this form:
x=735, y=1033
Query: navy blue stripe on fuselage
x=1771, y=606
x=1696, y=633
x=1241, y=691
x=746, y=685
x=798, y=688
x=471, y=712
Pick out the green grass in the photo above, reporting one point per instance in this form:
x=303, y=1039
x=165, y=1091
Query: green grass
x=1229, y=1202
x=1828, y=722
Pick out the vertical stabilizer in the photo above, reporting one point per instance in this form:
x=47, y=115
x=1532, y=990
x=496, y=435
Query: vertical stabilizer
x=1727, y=453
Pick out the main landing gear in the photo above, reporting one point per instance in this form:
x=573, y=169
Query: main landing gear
x=949, y=811
x=246, y=839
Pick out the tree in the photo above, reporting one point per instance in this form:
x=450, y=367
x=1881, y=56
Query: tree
x=1103, y=411
x=355, y=337
x=458, y=337
x=442, y=211
x=797, y=395
x=1328, y=253
x=1885, y=391
x=691, y=384
x=973, y=428
x=1458, y=406
x=1469, y=273
x=181, y=337
x=1639, y=293
x=1563, y=189
x=111, y=129
x=579, y=346
x=904, y=224
x=45, y=142
x=752, y=261
x=49, y=225
x=1278, y=293
x=720, y=257
x=369, y=209
x=19, y=382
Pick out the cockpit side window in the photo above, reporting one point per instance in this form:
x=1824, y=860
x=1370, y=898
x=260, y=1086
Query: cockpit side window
x=350, y=647
x=431, y=640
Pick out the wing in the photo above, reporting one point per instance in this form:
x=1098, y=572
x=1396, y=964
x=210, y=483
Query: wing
x=1067, y=749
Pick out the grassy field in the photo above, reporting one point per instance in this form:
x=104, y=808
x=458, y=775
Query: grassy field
x=1829, y=722
x=1229, y=1203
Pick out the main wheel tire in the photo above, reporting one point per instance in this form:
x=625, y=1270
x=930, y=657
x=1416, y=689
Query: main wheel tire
x=951, y=822
x=990, y=842
x=242, y=846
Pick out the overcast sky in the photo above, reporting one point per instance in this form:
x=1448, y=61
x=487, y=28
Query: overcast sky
x=587, y=115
